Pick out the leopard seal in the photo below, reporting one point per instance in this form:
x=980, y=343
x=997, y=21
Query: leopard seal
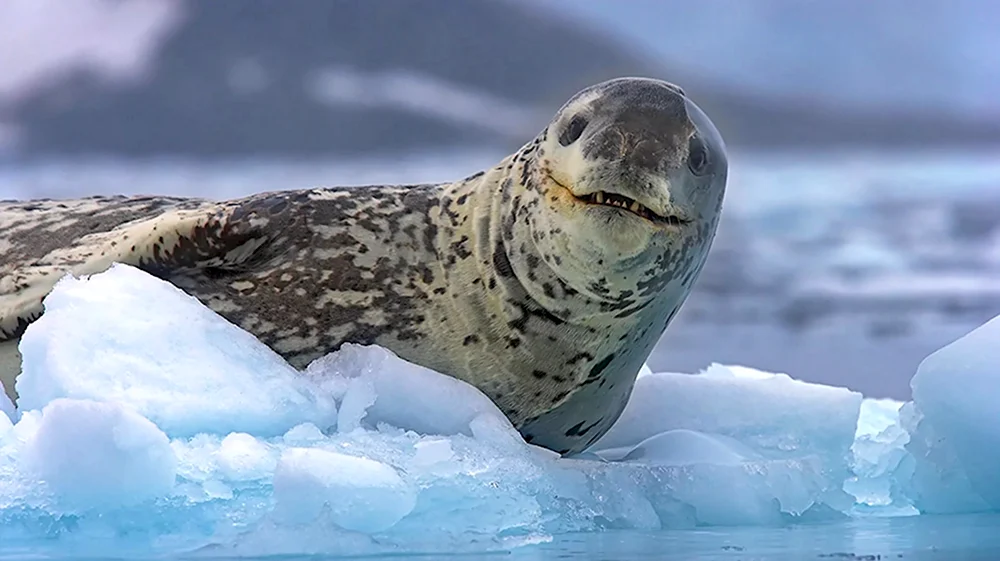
x=544, y=281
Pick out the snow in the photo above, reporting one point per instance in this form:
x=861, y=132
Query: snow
x=149, y=425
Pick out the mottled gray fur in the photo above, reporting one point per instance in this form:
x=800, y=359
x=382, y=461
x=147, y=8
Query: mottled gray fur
x=514, y=279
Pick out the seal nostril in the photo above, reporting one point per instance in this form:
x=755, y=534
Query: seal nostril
x=573, y=130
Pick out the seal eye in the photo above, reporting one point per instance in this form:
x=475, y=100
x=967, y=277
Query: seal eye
x=572, y=131
x=697, y=156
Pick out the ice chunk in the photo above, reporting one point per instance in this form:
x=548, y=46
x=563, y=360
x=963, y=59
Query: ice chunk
x=878, y=453
x=432, y=452
x=95, y=455
x=361, y=494
x=127, y=336
x=752, y=437
x=772, y=414
x=930, y=476
x=939, y=453
x=955, y=394
x=243, y=457
x=306, y=433
x=373, y=386
x=876, y=415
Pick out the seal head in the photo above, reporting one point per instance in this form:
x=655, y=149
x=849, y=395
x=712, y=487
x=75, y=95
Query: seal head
x=633, y=176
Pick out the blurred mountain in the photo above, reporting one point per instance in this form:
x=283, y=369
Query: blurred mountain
x=299, y=78
x=307, y=77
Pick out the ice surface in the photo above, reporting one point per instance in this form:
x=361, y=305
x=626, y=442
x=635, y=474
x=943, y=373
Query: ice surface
x=954, y=420
x=731, y=420
x=149, y=424
x=930, y=476
x=89, y=454
x=361, y=494
x=373, y=385
x=185, y=368
x=774, y=415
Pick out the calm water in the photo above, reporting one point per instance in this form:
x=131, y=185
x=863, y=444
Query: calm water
x=916, y=537
x=965, y=537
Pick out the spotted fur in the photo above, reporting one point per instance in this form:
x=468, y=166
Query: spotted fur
x=508, y=279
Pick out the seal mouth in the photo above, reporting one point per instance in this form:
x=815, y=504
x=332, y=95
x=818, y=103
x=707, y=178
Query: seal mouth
x=619, y=201
x=616, y=200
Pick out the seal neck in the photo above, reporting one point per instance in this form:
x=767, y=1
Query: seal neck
x=520, y=280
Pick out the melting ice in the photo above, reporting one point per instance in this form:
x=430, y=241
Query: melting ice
x=148, y=424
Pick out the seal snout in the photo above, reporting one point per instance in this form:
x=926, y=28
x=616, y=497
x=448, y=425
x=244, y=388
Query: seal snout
x=637, y=152
x=642, y=141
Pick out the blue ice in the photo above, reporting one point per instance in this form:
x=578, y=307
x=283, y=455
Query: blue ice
x=953, y=425
x=147, y=424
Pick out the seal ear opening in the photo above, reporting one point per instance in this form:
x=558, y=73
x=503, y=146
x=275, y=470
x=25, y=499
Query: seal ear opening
x=573, y=130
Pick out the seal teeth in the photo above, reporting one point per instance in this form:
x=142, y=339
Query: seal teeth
x=620, y=201
x=617, y=200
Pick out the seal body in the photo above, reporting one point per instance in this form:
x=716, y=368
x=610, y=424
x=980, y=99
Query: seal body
x=544, y=281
